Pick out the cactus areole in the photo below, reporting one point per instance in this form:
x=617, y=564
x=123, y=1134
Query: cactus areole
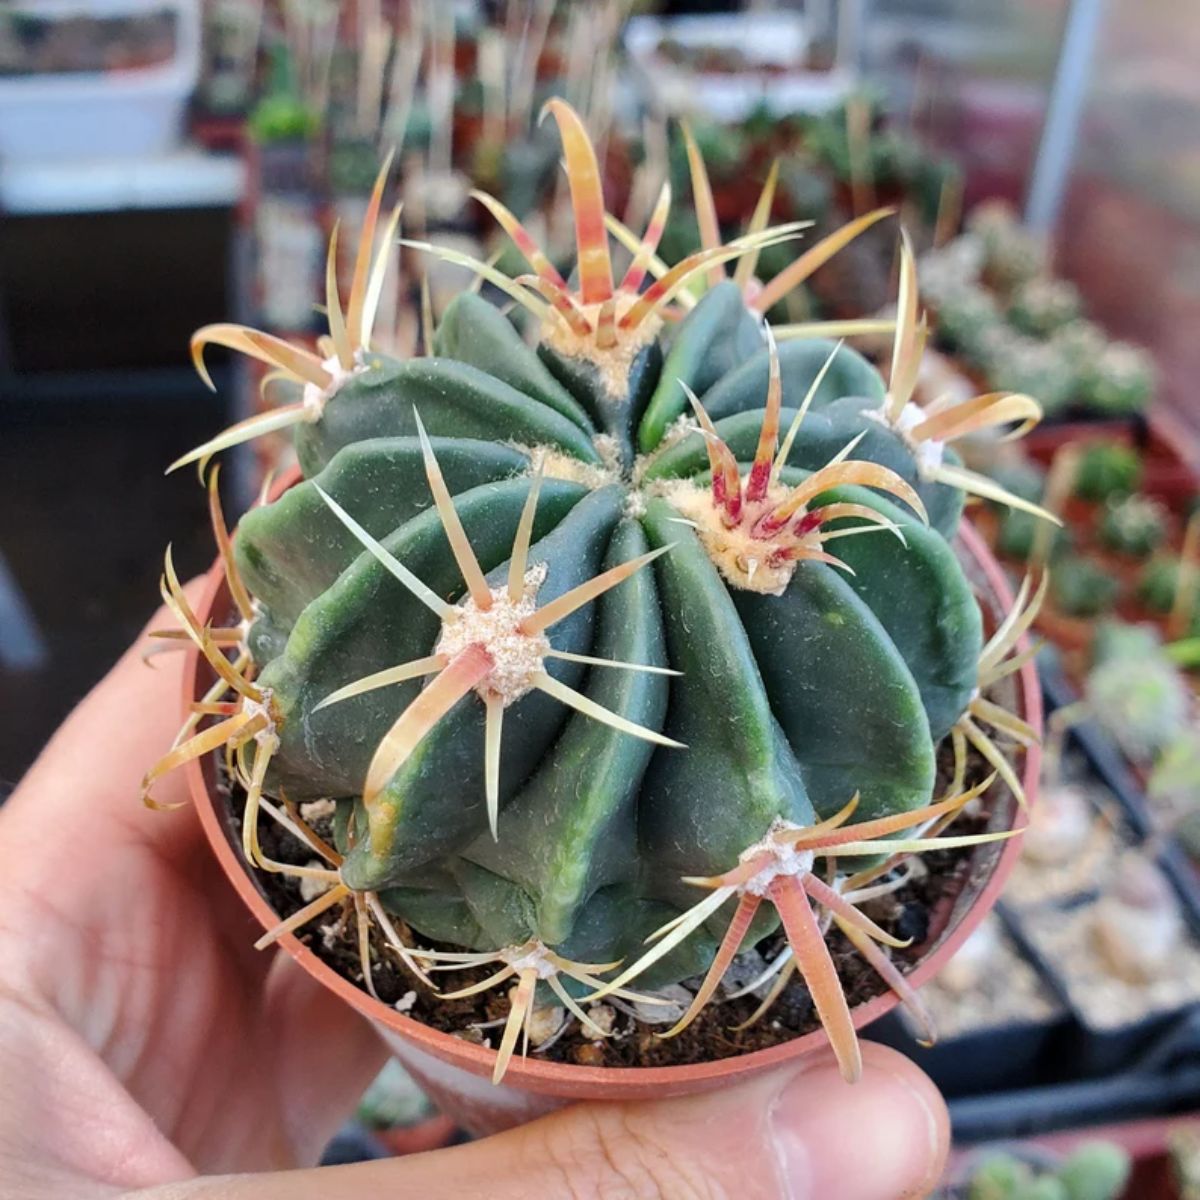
x=589, y=716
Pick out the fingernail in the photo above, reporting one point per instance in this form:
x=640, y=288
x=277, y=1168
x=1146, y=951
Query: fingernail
x=876, y=1139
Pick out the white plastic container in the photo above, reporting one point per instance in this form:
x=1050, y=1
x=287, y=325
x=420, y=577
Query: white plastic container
x=774, y=45
x=101, y=114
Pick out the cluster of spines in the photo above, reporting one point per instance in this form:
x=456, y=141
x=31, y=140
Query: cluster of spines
x=779, y=519
x=344, y=347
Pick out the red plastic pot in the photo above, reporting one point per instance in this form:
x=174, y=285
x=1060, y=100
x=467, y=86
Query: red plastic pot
x=456, y=1074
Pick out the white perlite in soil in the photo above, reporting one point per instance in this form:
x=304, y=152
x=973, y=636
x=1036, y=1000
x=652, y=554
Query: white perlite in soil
x=986, y=985
x=1065, y=937
x=1073, y=843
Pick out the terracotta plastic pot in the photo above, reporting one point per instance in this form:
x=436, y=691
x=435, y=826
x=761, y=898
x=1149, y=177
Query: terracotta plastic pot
x=456, y=1074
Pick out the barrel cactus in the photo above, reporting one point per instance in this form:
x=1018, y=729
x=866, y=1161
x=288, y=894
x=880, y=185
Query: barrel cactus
x=567, y=691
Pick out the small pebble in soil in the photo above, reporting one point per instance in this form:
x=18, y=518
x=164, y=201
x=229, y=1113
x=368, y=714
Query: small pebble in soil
x=604, y=1017
x=315, y=811
x=311, y=888
x=678, y=998
x=589, y=1054
x=544, y=1023
x=993, y=986
x=744, y=969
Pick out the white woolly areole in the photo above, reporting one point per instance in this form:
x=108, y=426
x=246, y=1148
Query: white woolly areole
x=518, y=656
x=265, y=737
x=785, y=859
x=612, y=363
x=315, y=398
x=928, y=453
x=533, y=956
x=555, y=464
x=634, y=505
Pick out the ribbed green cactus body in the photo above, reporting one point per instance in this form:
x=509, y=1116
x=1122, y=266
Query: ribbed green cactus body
x=788, y=704
x=719, y=335
x=454, y=400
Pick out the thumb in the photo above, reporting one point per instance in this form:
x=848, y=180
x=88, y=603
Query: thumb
x=801, y=1134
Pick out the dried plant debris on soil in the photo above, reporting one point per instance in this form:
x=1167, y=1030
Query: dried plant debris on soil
x=904, y=913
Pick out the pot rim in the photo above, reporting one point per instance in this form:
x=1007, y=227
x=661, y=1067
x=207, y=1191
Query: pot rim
x=566, y=1079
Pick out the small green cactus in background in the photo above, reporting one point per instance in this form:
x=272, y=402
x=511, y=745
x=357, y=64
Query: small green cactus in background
x=1081, y=343
x=1134, y=690
x=1107, y=469
x=1019, y=363
x=999, y=1177
x=1095, y=1171
x=952, y=268
x=1120, y=381
x=1082, y=588
x=1018, y=528
x=1135, y=525
x=1041, y=307
x=1158, y=583
x=593, y=685
x=1012, y=255
x=1173, y=788
x=966, y=317
x=1018, y=536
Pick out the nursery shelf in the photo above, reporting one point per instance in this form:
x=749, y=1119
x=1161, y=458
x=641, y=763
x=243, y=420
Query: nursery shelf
x=185, y=178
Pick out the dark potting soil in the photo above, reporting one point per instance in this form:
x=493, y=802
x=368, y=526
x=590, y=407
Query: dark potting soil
x=905, y=913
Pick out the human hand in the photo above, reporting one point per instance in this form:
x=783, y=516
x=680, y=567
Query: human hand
x=146, y=1048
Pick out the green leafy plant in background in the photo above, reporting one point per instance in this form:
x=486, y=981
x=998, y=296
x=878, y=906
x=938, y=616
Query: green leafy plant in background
x=282, y=115
x=282, y=118
x=578, y=669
